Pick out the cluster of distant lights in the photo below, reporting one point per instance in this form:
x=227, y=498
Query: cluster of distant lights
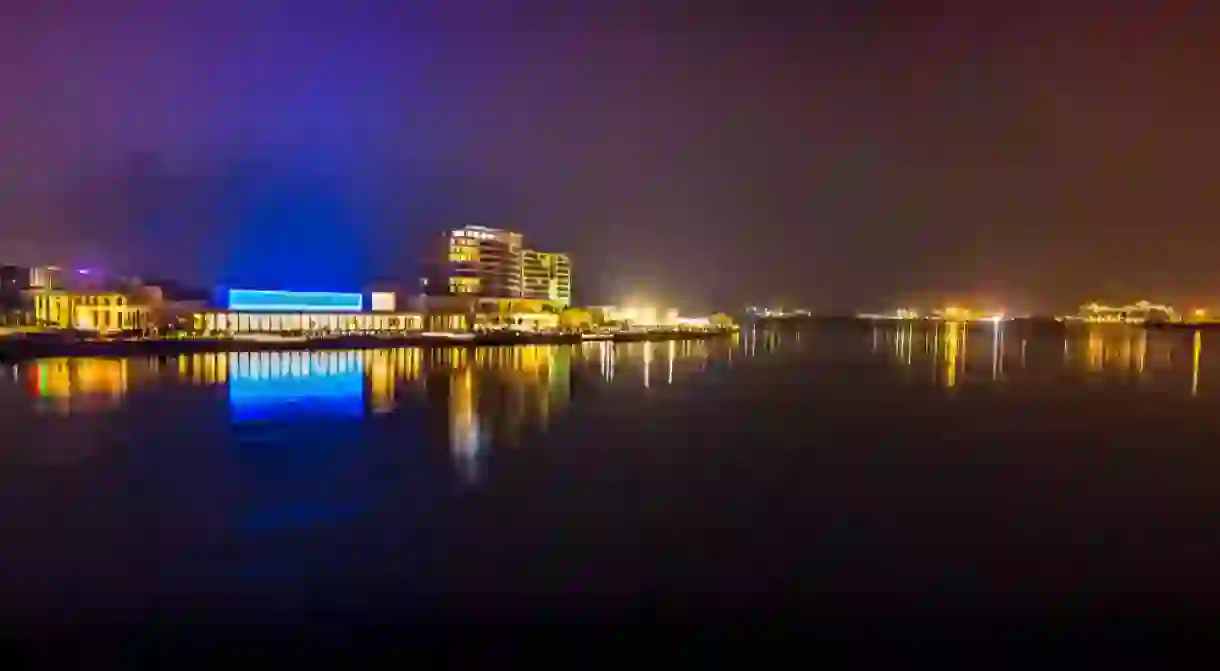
x=1131, y=314
x=948, y=314
x=776, y=312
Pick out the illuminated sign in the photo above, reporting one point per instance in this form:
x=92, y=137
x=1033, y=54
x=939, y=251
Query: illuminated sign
x=294, y=301
x=382, y=301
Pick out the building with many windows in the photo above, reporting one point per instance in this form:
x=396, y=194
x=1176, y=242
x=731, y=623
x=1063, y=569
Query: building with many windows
x=494, y=263
x=546, y=276
x=250, y=311
x=85, y=300
x=100, y=311
x=475, y=260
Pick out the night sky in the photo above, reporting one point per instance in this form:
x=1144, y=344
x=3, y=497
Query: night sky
x=835, y=155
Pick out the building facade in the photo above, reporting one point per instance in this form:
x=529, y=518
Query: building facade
x=101, y=311
x=475, y=260
x=494, y=263
x=305, y=312
x=546, y=276
x=479, y=313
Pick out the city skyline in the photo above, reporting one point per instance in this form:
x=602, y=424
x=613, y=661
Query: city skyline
x=823, y=154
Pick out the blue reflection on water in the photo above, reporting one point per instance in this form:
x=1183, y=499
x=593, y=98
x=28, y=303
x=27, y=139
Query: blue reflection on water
x=274, y=386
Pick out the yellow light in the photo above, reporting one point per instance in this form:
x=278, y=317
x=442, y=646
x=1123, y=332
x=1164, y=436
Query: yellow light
x=1194, y=376
x=951, y=354
x=1200, y=312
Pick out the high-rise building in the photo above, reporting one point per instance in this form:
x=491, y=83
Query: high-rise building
x=494, y=263
x=475, y=260
x=546, y=276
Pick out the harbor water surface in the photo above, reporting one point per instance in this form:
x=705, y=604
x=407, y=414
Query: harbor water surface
x=840, y=472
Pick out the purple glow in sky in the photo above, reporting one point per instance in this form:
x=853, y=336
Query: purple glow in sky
x=833, y=154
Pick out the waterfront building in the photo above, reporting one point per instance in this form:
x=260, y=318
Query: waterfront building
x=99, y=311
x=1136, y=313
x=90, y=301
x=635, y=315
x=475, y=260
x=445, y=313
x=524, y=314
x=546, y=276
x=494, y=263
x=461, y=313
x=84, y=300
x=278, y=312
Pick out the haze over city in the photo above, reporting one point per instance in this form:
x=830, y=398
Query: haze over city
x=826, y=154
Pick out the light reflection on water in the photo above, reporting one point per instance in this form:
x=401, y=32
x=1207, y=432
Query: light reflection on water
x=953, y=354
x=249, y=477
x=486, y=394
x=485, y=397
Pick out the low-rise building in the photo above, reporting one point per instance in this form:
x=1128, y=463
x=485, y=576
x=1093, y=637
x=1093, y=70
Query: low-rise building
x=100, y=311
x=273, y=311
x=1136, y=313
x=90, y=301
x=476, y=313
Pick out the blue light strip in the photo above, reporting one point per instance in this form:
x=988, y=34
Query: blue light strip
x=294, y=301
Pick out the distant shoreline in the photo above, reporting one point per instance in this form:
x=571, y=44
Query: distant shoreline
x=17, y=349
x=1052, y=322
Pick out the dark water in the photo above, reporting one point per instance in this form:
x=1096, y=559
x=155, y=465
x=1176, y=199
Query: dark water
x=839, y=473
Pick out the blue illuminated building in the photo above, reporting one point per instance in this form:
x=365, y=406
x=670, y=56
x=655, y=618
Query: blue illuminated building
x=250, y=300
x=270, y=311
